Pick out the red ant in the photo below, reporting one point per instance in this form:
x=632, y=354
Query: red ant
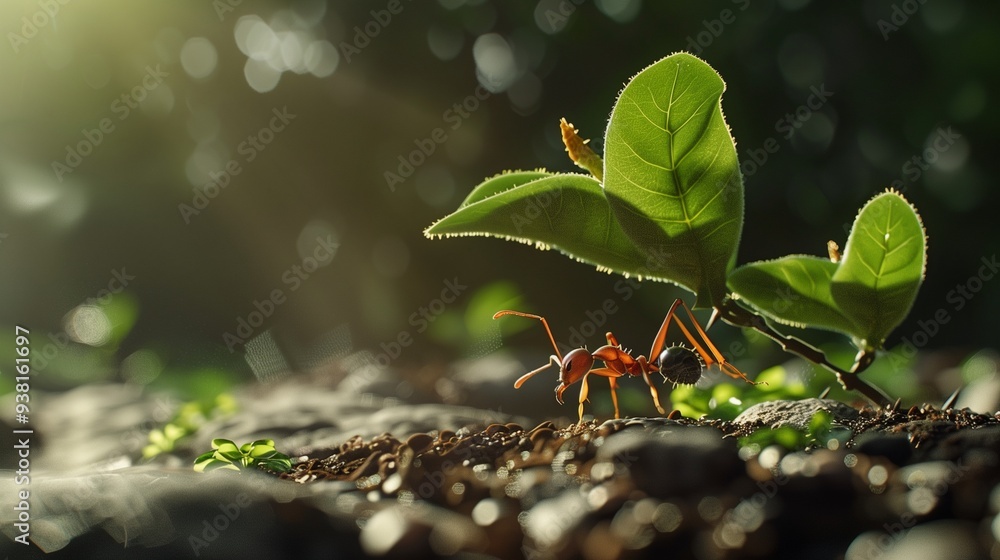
x=677, y=364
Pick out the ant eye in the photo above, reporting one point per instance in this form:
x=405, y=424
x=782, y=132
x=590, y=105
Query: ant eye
x=680, y=365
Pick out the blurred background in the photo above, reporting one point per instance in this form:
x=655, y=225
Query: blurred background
x=185, y=185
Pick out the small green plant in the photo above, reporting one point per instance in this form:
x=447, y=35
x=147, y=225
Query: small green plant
x=188, y=419
x=666, y=204
x=226, y=454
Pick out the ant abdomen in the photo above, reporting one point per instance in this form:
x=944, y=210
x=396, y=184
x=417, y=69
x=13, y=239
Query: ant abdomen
x=680, y=365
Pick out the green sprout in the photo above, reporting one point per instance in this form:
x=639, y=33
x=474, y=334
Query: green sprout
x=666, y=204
x=226, y=454
x=188, y=419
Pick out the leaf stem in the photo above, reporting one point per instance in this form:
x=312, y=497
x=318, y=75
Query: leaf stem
x=739, y=316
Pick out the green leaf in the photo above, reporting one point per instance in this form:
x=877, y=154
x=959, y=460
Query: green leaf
x=173, y=432
x=278, y=465
x=227, y=450
x=502, y=182
x=793, y=290
x=204, y=456
x=882, y=267
x=262, y=451
x=671, y=174
x=213, y=464
x=219, y=442
x=567, y=211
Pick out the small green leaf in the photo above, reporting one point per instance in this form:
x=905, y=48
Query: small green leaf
x=219, y=442
x=262, y=451
x=793, y=290
x=157, y=437
x=174, y=432
x=502, y=182
x=820, y=423
x=204, y=456
x=213, y=464
x=278, y=465
x=229, y=453
x=671, y=174
x=882, y=267
x=567, y=211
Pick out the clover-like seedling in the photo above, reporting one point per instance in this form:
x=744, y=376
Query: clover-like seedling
x=226, y=454
x=666, y=203
x=187, y=420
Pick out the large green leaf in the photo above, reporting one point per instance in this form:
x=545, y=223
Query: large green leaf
x=793, y=290
x=866, y=295
x=882, y=267
x=672, y=176
x=567, y=211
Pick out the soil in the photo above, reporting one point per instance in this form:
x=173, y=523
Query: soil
x=468, y=481
x=647, y=487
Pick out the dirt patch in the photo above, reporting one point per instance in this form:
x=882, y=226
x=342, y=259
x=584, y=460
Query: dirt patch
x=647, y=486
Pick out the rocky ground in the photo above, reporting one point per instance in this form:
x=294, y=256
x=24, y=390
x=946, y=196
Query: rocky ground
x=402, y=478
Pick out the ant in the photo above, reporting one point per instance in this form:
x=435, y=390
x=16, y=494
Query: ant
x=677, y=364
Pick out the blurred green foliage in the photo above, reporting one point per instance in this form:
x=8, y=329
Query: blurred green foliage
x=60, y=240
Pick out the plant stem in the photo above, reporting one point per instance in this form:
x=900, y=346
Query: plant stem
x=739, y=316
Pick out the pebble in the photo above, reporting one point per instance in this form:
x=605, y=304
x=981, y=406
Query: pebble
x=797, y=414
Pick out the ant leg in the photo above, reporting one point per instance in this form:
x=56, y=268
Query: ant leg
x=613, y=381
x=644, y=367
x=715, y=357
x=520, y=380
x=545, y=324
x=661, y=335
x=584, y=391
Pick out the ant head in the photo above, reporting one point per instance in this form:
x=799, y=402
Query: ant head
x=574, y=366
x=680, y=365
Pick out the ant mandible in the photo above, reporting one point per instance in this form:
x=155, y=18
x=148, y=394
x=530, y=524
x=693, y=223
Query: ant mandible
x=677, y=364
